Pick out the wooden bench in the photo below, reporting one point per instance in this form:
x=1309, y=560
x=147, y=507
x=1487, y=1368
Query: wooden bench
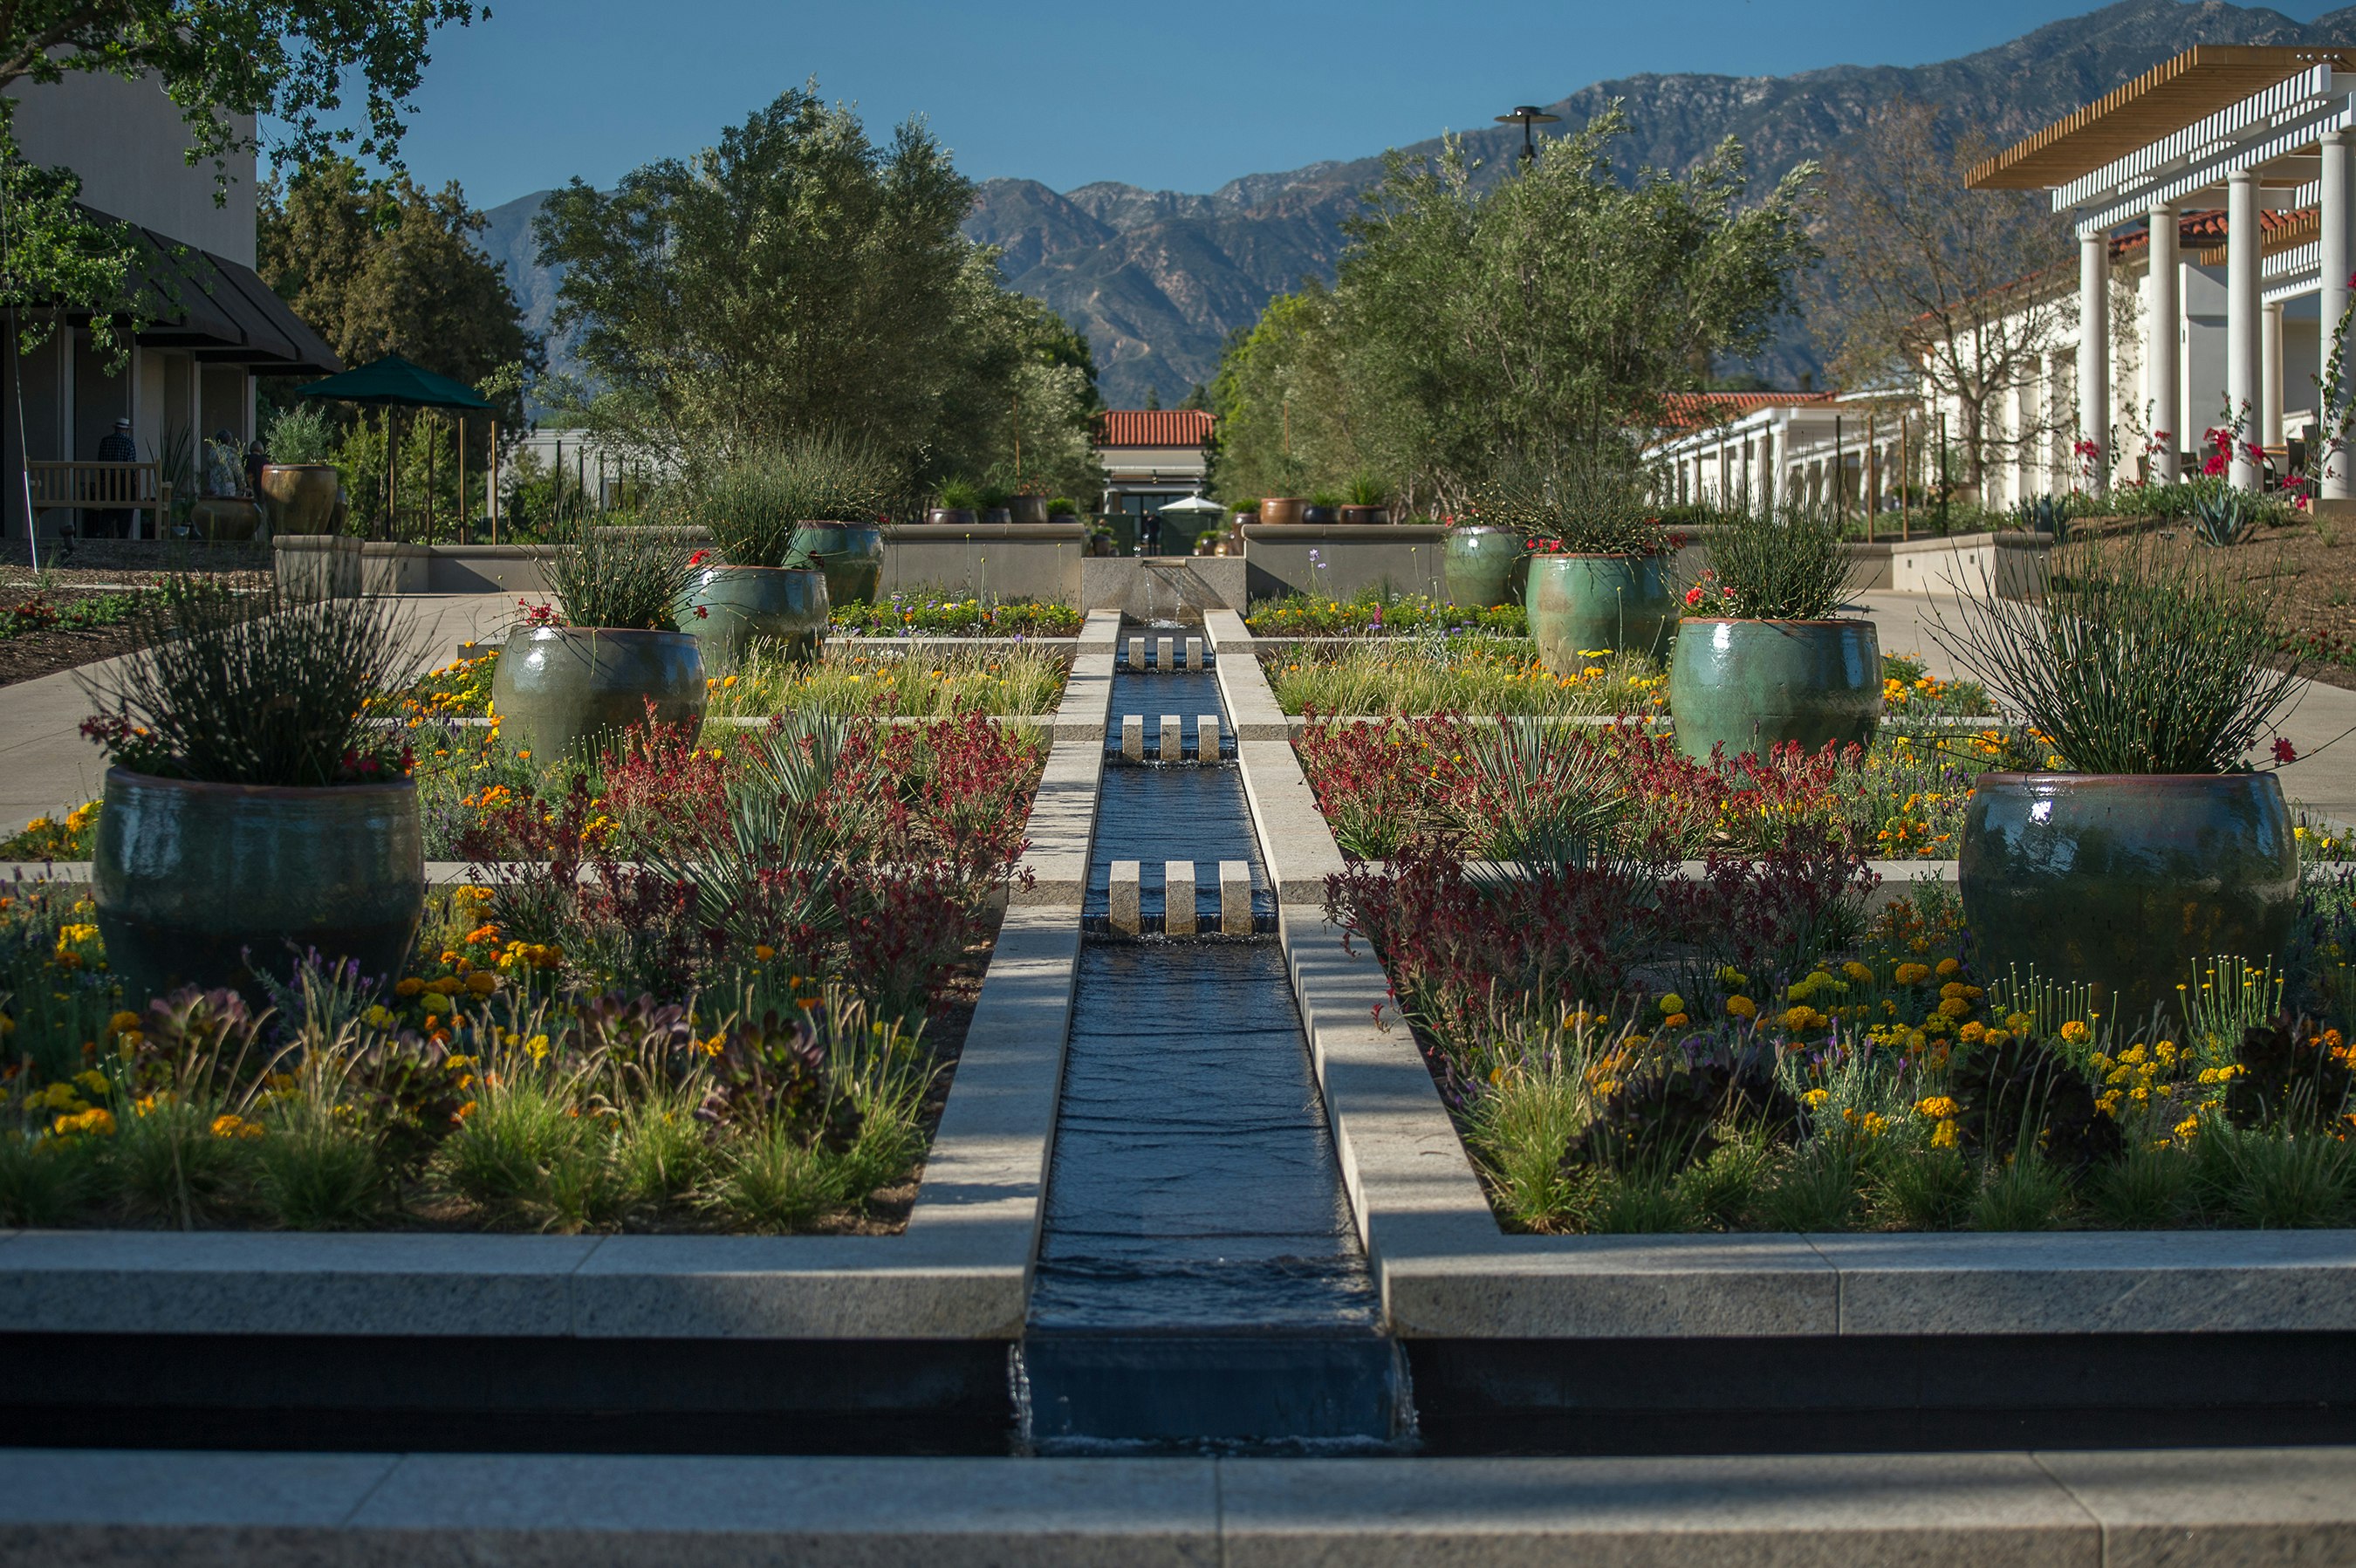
x=134, y=487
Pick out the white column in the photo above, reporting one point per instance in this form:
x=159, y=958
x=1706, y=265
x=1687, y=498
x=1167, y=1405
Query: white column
x=2338, y=255
x=2270, y=377
x=2163, y=345
x=2242, y=328
x=2094, y=349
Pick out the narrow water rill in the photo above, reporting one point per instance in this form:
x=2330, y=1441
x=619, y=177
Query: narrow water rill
x=1199, y=1283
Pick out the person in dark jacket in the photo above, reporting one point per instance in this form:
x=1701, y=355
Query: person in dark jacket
x=115, y=447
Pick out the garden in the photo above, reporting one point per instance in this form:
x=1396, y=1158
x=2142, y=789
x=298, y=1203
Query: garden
x=699, y=977
x=1653, y=970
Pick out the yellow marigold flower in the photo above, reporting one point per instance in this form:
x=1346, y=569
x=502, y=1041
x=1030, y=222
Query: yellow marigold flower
x=434, y=1001
x=98, y=1122
x=409, y=987
x=2076, y=1033
x=764, y=953
x=1938, y=1107
x=2188, y=1126
x=227, y=1126
x=1954, y=988
x=1972, y=1034
x=2019, y=1023
x=1948, y=967
x=1953, y=1007
x=1911, y=973
x=482, y=983
x=1675, y=1021
x=1741, y=1007
x=1816, y=1097
x=1728, y=976
x=122, y=1023
x=1801, y=1018
x=1946, y=1135
x=1673, y=1003
x=1857, y=972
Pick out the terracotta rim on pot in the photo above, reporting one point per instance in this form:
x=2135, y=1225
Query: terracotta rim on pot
x=1740, y=620
x=2149, y=781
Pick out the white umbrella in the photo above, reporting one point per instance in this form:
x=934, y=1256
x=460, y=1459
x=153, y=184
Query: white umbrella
x=1193, y=506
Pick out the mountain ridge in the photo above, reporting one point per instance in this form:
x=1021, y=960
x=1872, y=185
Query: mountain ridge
x=1158, y=279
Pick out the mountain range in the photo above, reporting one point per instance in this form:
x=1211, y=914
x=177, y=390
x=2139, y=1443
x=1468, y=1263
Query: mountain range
x=1157, y=279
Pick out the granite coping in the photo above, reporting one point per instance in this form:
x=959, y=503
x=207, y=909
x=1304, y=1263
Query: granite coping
x=2183, y=1509
x=1446, y=1269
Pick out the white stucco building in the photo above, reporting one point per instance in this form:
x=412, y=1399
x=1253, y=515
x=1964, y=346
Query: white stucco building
x=191, y=372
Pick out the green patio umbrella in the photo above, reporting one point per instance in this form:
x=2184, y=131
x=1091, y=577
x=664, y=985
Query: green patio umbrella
x=394, y=382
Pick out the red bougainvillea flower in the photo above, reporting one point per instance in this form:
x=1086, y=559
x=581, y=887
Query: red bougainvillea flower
x=1692, y=596
x=2285, y=752
x=697, y=559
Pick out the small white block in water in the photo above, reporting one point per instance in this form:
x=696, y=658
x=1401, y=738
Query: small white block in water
x=1137, y=653
x=1194, y=653
x=1162, y=646
x=1173, y=733
x=1235, y=897
x=1124, y=897
x=1178, y=903
x=1132, y=737
x=1206, y=738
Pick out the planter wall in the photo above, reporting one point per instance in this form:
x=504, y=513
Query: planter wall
x=204, y=883
x=1753, y=685
x=565, y=689
x=2124, y=881
x=1403, y=558
x=1580, y=603
x=1484, y=566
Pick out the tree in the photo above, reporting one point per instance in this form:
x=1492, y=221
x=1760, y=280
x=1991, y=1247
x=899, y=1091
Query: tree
x=1929, y=283
x=383, y=266
x=1546, y=314
x=222, y=61
x=797, y=277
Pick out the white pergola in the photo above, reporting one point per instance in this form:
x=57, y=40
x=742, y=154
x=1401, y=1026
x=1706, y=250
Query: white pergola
x=2253, y=129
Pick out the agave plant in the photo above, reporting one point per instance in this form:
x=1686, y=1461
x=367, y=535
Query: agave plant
x=2221, y=515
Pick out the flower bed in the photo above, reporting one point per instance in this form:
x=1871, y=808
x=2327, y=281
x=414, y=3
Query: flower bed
x=1373, y=613
x=916, y=682
x=708, y=989
x=944, y=613
x=1504, y=675
x=1478, y=675
x=1431, y=780
x=1627, y=1049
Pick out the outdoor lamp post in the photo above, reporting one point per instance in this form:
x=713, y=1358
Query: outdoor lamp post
x=1527, y=116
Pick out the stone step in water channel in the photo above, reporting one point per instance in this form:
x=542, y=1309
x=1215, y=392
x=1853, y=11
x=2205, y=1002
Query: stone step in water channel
x=1199, y=1283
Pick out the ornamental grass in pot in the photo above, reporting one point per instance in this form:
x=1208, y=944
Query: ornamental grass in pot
x=250, y=815
x=607, y=655
x=810, y=504
x=2148, y=843
x=1598, y=579
x=959, y=505
x=1762, y=656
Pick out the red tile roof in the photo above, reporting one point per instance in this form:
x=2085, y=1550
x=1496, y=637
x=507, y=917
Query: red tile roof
x=1685, y=411
x=1153, y=427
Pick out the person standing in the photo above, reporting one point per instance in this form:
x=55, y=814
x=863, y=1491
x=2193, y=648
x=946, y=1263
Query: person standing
x=115, y=447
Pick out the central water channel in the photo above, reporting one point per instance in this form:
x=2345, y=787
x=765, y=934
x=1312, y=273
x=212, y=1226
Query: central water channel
x=1199, y=1283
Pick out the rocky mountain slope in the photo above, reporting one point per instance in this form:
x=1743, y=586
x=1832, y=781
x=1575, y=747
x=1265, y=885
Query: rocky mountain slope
x=1157, y=279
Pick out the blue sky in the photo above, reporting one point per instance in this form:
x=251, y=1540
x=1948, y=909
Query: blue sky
x=1156, y=94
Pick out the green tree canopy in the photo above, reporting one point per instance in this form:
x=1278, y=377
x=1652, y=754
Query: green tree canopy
x=383, y=266
x=795, y=277
x=289, y=61
x=1548, y=311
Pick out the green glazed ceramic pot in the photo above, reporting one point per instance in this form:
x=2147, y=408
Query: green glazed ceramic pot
x=851, y=557
x=1753, y=685
x=2123, y=881
x=207, y=884
x=1482, y=566
x=784, y=608
x=1582, y=603
x=561, y=690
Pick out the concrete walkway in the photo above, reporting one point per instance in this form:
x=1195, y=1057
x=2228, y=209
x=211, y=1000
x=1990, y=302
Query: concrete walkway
x=2214, y=1509
x=2321, y=723
x=47, y=768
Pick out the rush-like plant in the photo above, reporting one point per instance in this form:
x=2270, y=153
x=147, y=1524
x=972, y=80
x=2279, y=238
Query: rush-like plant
x=755, y=505
x=2138, y=660
x=1779, y=563
x=621, y=579
x=230, y=688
